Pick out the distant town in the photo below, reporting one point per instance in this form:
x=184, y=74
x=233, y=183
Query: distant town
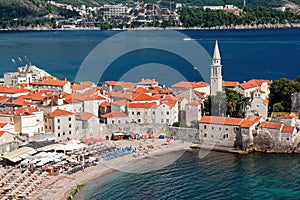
x=41, y=114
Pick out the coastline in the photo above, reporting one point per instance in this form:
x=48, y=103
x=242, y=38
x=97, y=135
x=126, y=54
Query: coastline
x=60, y=187
x=231, y=27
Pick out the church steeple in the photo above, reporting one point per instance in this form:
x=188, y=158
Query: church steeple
x=216, y=72
x=216, y=55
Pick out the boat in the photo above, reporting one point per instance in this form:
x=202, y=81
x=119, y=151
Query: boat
x=187, y=38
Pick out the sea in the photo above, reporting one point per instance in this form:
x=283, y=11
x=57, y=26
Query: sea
x=216, y=176
x=246, y=54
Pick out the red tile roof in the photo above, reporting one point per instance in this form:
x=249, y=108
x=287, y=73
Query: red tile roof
x=11, y=90
x=288, y=129
x=3, y=124
x=271, y=125
x=253, y=83
x=142, y=97
x=59, y=112
x=193, y=85
x=200, y=94
x=290, y=116
x=250, y=121
x=142, y=105
x=83, y=116
x=50, y=81
x=105, y=104
x=221, y=120
x=85, y=97
x=230, y=84
x=23, y=111
x=1, y=133
x=81, y=86
x=114, y=114
x=19, y=102
x=148, y=82
x=120, y=103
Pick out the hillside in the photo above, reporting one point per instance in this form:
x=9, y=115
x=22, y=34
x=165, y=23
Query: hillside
x=251, y=3
x=27, y=12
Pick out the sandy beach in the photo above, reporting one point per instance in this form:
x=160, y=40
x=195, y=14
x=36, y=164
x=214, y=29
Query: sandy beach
x=60, y=186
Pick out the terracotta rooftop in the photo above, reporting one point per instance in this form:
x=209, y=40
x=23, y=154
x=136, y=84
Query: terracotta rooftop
x=83, y=116
x=105, y=104
x=114, y=114
x=290, y=116
x=193, y=85
x=50, y=81
x=11, y=90
x=200, y=94
x=23, y=111
x=59, y=112
x=120, y=103
x=271, y=125
x=82, y=85
x=221, y=120
x=142, y=97
x=142, y=105
x=250, y=121
x=287, y=129
x=148, y=82
x=253, y=83
x=3, y=124
x=1, y=133
x=230, y=84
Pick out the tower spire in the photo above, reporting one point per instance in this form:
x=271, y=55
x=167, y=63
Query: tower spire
x=216, y=55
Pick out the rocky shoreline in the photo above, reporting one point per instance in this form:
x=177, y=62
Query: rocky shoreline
x=231, y=27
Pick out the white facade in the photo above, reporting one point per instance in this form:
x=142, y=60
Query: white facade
x=63, y=126
x=216, y=72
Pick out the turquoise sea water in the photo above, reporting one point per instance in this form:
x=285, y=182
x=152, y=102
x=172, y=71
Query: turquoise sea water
x=246, y=54
x=217, y=176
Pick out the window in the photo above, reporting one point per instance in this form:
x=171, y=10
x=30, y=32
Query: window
x=58, y=120
x=205, y=135
x=70, y=132
x=58, y=127
x=70, y=125
x=162, y=120
x=46, y=126
x=204, y=126
x=168, y=112
x=119, y=121
x=153, y=112
x=132, y=113
x=167, y=120
x=162, y=113
x=212, y=128
x=145, y=113
x=50, y=127
x=138, y=113
x=64, y=133
x=139, y=120
x=69, y=118
x=58, y=134
x=220, y=128
x=112, y=121
x=226, y=129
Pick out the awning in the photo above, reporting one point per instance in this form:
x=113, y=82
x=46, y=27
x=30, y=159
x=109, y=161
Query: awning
x=19, y=154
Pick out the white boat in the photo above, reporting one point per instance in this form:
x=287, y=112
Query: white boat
x=187, y=38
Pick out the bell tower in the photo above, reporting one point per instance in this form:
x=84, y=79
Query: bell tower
x=216, y=72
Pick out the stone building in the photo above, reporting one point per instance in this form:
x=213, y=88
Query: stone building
x=61, y=123
x=220, y=131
